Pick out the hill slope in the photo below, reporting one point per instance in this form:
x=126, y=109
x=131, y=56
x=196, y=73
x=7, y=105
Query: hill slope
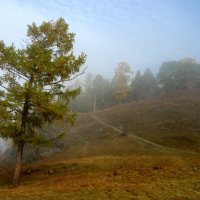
x=168, y=123
x=140, y=150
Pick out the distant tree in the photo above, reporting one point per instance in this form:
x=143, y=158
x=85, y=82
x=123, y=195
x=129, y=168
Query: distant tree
x=77, y=104
x=88, y=92
x=149, y=83
x=187, y=74
x=167, y=75
x=121, y=81
x=32, y=83
x=96, y=94
x=136, y=88
x=85, y=100
x=88, y=84
x=102, y=92
x=188, y=60
x=143, y=86
x=179, y=75
x=98, y=89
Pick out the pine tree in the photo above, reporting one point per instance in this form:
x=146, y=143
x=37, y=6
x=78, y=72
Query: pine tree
x=32, y=81
x=136, y=87
x=149, y=84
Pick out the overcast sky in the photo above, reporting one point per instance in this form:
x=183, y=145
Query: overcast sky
x=143, y=33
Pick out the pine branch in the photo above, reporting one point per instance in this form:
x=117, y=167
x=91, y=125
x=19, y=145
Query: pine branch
x=13, y=107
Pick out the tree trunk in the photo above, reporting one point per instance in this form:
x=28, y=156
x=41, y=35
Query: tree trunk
x=95, y=102
x=20, y=145
x=18, y=164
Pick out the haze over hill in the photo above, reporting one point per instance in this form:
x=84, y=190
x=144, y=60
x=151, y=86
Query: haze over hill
x=145, y=149
x=168, y=124
x=3, y=146
x=143, y=33
x=130, y=70
x=169, y=121
x=165, y=124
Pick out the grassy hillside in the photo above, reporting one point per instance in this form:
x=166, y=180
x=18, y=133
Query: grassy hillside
x=138, y=150
x=170, y=122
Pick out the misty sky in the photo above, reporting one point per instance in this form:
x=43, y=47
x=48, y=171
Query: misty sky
x=143, y=33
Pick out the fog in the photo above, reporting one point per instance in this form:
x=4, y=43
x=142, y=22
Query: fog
x=3, y=146
x=110, y=114
x=143, y=33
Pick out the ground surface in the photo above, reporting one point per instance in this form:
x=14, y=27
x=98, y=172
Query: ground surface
x=143, y=150
x=155, y=176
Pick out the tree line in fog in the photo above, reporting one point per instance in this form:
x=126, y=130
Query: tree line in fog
x=99, y=93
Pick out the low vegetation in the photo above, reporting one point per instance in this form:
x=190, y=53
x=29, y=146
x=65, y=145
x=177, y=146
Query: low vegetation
x=152, y=153
x=139, y=176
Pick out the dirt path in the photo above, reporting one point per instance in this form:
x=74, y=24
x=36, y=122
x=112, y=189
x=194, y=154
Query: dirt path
x=105, y=124
x=142, y=140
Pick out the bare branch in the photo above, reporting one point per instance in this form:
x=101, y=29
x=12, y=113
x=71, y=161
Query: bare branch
x=3, y=87
x=18, y=74
x=59, y=81
x=77, y=74
x=13, y=108
x=47, y=89
x=26, y=41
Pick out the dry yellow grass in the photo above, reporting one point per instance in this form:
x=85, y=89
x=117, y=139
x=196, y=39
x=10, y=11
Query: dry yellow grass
x=145, y=150
x=150, y=176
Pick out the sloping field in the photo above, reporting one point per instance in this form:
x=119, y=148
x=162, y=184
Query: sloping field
x=140, y=150
x=169, y=124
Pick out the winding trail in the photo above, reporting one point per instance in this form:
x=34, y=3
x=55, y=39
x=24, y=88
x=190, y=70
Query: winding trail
x=142, y=140
x=105, y=124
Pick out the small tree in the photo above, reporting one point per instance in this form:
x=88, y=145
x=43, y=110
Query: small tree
x=121, y=81
x=32, y=81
